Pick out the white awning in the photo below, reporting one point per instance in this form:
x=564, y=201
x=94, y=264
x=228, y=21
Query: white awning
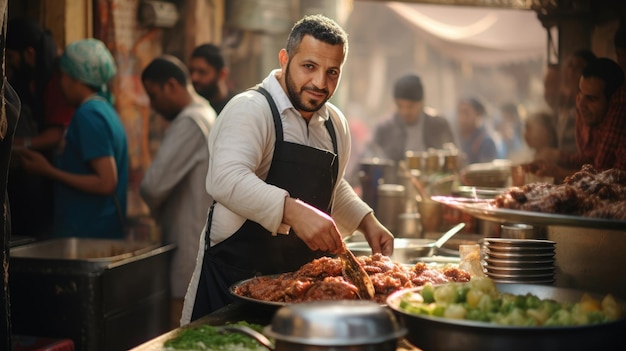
x=481, y=36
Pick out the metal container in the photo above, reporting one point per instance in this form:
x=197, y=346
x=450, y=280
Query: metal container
x=410, y=190
x=415, y=159
x=451, y=161
x=390, y=204
x=372, y=173
x=433, y=162
x=431, y=213
x=435, y=333
x=590, y=259
x=105, y=295
x=335, y=325
x=409, y=225
x=517, y=231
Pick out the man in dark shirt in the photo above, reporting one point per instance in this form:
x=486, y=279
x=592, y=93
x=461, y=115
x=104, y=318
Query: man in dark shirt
x=410, y=128
x=209, y=75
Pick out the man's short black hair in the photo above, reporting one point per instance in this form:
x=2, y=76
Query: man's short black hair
x=607, y=70
x=409, y=87
x=319, y=27
x=211, y=54
x=165, y=67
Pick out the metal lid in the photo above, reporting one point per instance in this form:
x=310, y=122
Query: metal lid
x=335, y=323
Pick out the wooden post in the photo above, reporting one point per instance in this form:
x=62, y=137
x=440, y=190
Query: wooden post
x=204, y=22
x=68, y=20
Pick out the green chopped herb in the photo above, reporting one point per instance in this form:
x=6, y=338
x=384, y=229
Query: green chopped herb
x=210, y=338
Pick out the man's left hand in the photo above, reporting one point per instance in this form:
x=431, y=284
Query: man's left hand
x=379, y=238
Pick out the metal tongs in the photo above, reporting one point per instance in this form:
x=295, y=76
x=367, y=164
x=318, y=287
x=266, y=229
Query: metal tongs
x=356, y=274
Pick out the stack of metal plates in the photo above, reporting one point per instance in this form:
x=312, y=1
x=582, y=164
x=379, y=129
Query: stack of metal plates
x=528, y=261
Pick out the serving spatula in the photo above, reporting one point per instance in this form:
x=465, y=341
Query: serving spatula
x=356, y=274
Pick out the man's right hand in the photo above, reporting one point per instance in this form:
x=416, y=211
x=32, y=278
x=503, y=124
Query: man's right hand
x=316, y=228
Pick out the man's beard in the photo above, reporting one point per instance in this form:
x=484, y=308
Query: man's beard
x=296, y=99
x=209, y=91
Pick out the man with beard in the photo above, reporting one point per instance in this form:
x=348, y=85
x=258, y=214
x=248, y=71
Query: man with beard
x=600, y=142
x=209, y=75
x=31, y=56
x=278, y=154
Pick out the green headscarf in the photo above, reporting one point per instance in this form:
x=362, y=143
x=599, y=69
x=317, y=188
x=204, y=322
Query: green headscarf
x=90, y=62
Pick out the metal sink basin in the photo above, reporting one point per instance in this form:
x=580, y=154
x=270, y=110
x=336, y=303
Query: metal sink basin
x=82, y=249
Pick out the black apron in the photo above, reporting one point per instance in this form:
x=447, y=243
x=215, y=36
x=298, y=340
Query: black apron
x=307, y=173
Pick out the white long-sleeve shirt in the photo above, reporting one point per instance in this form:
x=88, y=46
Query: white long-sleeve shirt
x=242, y=146
x=173, y=188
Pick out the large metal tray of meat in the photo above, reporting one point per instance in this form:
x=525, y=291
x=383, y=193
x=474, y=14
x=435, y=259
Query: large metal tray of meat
x=483, y=209
x=271, y=305
x=262, y=303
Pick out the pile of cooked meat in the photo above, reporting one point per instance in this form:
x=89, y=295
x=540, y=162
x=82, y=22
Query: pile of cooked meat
x=322, y=279
x=587, y=193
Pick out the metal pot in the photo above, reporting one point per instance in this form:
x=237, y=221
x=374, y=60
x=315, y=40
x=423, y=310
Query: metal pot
x=434, y=333
x=331, y=326
x=375, y=171
x=407, y=250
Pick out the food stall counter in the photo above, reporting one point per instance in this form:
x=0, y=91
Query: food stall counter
x=234, y=312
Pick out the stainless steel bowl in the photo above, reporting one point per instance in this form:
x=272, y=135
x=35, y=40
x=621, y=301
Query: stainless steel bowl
x=436, y=333
x=337, y=323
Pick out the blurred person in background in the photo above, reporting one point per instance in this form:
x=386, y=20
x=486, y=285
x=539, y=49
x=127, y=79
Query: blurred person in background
x=510, y=129
x=566, y=110
x=31, y=59
x=209, y=75
x=538, y=133
x=173, y=186
x=552, y=87
x=476, y=141
x=410, y=128
x=91, y=168
x=602, y=142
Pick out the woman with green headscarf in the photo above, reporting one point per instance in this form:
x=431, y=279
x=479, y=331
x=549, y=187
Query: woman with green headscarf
x=91, y=170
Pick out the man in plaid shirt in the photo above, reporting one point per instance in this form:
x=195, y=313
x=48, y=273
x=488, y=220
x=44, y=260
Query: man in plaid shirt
x=600, y=125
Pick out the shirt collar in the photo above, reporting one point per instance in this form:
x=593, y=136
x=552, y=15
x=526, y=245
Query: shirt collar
x=272, y=85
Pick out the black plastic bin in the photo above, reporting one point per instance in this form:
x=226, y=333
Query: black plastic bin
x=105, y=295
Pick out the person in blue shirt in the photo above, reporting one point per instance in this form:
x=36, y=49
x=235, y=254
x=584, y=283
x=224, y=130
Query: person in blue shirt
x=476, y=141
x=91, y=171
